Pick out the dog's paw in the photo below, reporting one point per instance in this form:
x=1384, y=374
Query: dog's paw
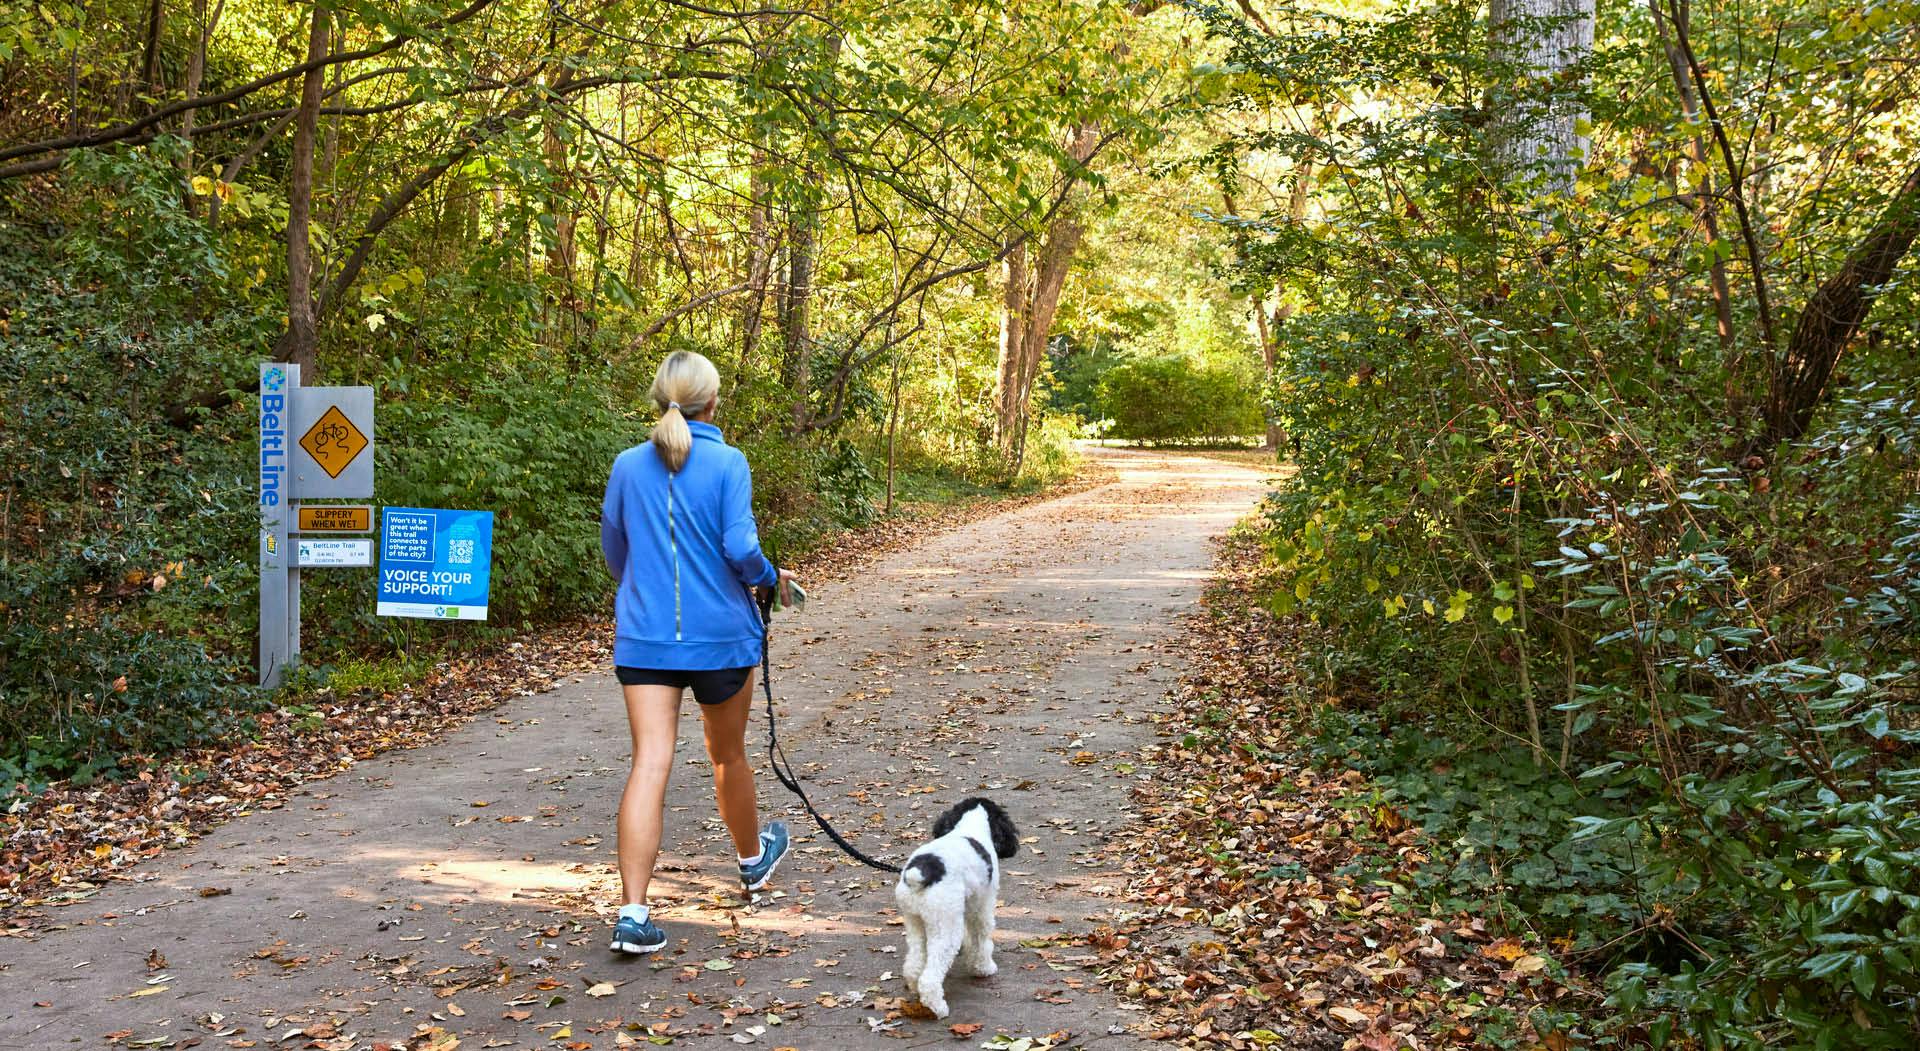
x=985, y=969
x=938, y=1005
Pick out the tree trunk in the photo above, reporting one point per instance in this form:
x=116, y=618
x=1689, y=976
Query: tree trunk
x=203, y=24
x=1269, y=356
x=1026, y=315
x=1016, y=306
x=1705, y=205
x=150, y=62
x=302, y=332
x=638, y=276
x=1268, y=328
x=1833, y=316
x=893, y=430
x=797, y=366
x=330, y=142
x=759, y=260
x=562, y=303
x=1026, y=322
x=1542, y=40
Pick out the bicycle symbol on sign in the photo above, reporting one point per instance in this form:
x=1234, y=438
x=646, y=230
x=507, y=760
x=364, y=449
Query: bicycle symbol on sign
x=330, y=435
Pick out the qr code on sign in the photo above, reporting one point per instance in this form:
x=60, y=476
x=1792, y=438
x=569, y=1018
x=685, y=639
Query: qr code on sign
x=460, y=552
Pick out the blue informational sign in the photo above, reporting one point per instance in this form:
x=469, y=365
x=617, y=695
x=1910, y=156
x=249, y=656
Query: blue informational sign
x=434, y=563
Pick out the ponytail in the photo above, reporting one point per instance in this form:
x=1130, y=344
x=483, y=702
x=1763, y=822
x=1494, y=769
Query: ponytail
x=686, y=380
x=672, y=440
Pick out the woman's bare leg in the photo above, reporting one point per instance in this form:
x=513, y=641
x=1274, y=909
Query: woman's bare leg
x=726, y=726
x=653, y=714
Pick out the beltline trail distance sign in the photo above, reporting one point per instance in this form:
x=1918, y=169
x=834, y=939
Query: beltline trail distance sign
x=314, y=552
x=435, y=563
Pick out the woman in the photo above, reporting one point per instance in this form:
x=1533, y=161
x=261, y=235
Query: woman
x=678, y=533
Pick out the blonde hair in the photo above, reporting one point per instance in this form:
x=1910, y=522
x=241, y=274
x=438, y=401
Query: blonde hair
x=686, y=383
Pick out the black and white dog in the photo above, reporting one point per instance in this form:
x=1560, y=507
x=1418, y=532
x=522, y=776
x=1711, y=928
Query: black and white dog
x=946, y=895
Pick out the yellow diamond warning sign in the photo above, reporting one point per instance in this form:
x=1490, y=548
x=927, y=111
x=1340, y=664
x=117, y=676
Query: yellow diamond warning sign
x=333, y=441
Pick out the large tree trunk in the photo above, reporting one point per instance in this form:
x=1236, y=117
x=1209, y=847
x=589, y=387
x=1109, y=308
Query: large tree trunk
x=1833, y=316
x=300, y=347
x=1026, y=315
x=1026, y=321
x=1542, y=40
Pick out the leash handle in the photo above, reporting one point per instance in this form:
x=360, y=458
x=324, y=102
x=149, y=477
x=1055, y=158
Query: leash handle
x=777, y=756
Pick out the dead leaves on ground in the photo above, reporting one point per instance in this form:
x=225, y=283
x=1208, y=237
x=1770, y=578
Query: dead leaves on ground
x=1279, y=915
x=61, y=844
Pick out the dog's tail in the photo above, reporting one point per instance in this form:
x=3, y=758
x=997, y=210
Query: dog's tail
x=922, y=871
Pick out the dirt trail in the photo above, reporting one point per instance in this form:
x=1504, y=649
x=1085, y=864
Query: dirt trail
x=466, y=885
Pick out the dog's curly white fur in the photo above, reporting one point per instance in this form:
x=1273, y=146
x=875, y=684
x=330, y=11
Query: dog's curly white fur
x=946, y=893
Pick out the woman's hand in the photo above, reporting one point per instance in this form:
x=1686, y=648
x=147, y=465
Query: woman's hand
x=784, y=588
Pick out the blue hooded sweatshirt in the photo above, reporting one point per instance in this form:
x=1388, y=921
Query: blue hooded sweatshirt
x=685, y=550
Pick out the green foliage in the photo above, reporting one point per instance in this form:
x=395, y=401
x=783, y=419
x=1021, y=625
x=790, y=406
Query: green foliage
x=1174, y=397
x=123, y=623
x=846, y=485
x=1499, y=824
x=1646, y=680
x=535, y=448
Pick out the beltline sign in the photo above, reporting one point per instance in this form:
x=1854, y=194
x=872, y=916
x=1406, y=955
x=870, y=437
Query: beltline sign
x=279, y=601
x=435, y=563
x=315, y=443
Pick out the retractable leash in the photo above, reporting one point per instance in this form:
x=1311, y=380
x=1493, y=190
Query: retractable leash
x=777, y=757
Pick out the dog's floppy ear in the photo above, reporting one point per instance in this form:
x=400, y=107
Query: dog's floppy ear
x=1006, y=838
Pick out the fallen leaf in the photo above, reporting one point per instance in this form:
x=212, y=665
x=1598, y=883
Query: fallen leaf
x=1350, y=1016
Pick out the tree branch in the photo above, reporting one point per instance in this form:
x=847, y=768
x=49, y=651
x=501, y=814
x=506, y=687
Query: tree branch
x=690, y=305
x=134, y=128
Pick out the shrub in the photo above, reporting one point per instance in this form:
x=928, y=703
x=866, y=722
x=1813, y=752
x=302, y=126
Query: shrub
x=1173, y=398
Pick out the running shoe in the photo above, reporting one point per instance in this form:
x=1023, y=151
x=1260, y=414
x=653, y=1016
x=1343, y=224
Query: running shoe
x=636, y=936
x=773, y=847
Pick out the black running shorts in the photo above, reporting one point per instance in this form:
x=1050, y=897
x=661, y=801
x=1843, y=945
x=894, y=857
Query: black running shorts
x=709, y=687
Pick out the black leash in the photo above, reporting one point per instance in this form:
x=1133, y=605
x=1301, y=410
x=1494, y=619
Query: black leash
x=777, y=757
